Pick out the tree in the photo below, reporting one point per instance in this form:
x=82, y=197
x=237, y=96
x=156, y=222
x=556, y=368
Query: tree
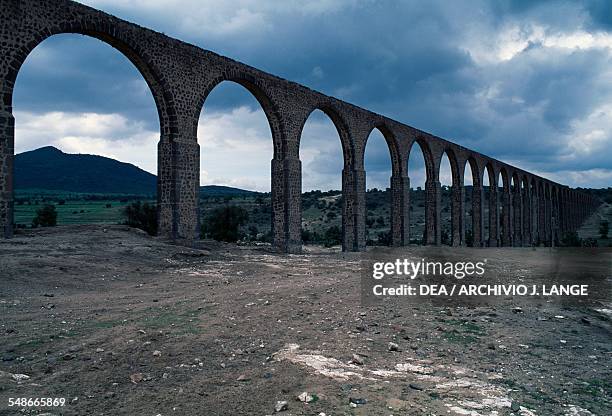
x=333, y=236
x=253, y=231
x=45, y=216
x=571, y=239
x=384, y=238
x=223, y=223
x=141, y=215
x=604, y=228
x=469, y=238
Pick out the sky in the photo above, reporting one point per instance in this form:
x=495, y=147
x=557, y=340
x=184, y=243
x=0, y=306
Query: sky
x=526, y=82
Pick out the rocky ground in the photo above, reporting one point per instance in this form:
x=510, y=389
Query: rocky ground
x=119, y=323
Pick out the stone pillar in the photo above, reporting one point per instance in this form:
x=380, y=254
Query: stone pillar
x=278, y=205
x=349, y=204
x=166, y=201
x=493, y=216
x=541, y=218
x=400, y=210
x=7, y=152
x=547, y=219
x=534, y=216
x=506, y=234
x=527, y=220
x=517, y=208
x=432, y=213
x=553, y=219
x=287, y=204
x=561, y=213
x=457, y=215
x=360, y=212
x=186, y=181
x=353, y=210
x=477, y=218
x=571, y=211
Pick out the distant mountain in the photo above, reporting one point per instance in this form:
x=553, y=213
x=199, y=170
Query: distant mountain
x=218, y=190
x=48, y=168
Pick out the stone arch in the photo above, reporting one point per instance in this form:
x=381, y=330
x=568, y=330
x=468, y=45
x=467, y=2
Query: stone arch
x=547, y=213
x=457, y=176
x=527, y=228
x=352, y=238
x=121, y=40
x=416, y=200
x=257, y=90
x=392, y=145
x=474, y=168
x=348, y=149
x=455, y=195
x=476, y=206
x=491, y=173
x=503, y=172
x=534, y=207
x=430, y=171
x=492, y=221
x=116, y=38
x=390, y=232
x=506, y=217
x=516, y=219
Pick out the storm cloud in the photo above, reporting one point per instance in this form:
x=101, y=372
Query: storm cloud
x=526, y=82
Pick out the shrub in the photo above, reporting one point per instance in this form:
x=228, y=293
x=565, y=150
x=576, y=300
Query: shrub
x=571, y=239
x=384, y=238
x=469, y=238
x=604, y=228
x=333, y=236
x=45, y=216
x=253, y=231
x=141, y=215
x=223, y=223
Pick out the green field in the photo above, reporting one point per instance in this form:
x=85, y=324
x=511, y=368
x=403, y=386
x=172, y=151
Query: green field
x=73, y=208
x=321, y=211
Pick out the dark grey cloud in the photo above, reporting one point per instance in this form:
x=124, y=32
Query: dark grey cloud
x=502, y=77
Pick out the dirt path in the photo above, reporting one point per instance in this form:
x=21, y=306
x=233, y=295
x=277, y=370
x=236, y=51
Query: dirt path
x=119, y=323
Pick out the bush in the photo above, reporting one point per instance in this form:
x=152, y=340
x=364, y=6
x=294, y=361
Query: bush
x=253, y=231
x=384, y=238
x=604, y=228
x=469, y=238
x=45, y=217
x=141, y=215
x=333, y=236
x=223, y=223
x=571, y=239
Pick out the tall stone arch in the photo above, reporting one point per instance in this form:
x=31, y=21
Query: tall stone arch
x=350, y=178
x=457, y=194
x=399, y=184
x=259, y=91
x=517, y=210
x=432, y=190
x=24, y=28
x=506, y=217
x=477, y=202
x=527, y=210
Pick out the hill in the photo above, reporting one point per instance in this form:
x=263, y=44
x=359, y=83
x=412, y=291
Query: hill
x=218, y=190
x=50, y=169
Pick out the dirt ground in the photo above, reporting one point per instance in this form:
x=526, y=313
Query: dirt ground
x=119, y=323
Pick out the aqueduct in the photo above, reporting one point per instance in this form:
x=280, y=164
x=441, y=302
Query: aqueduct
x=534, y=210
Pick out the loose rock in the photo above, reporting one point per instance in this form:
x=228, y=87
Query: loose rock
x=281, y=406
